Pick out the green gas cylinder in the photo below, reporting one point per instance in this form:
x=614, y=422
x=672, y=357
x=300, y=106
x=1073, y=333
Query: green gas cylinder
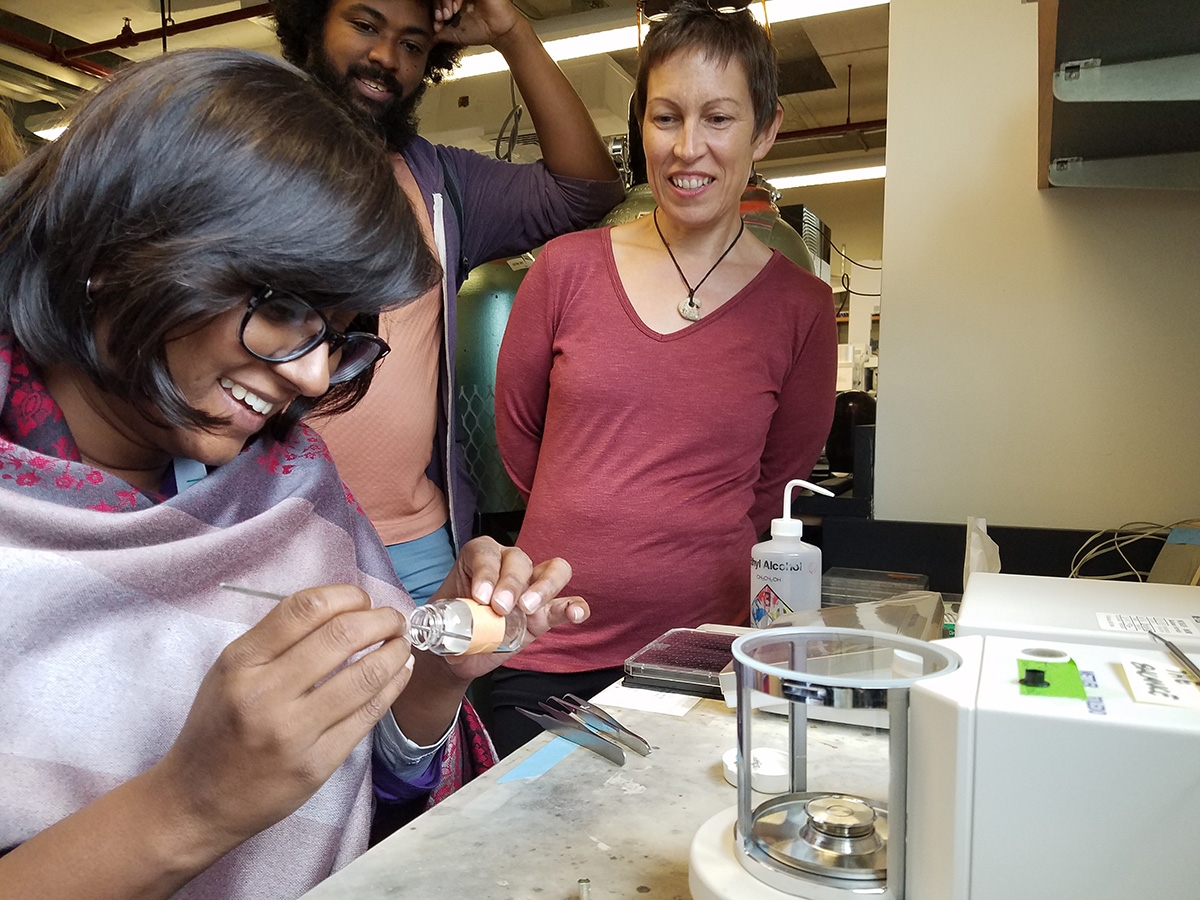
x=484, y=302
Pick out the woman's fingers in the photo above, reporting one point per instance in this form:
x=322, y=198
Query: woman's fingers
x=283, y=706
x=357, y=695
x=318, y=654
x=366, y=689
x=293, y=619
x=559, y=611
x=544, y=583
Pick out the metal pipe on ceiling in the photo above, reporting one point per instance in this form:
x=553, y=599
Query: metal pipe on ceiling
x=72, y=58
x=51, y=53
x=829, y=131
x=129, y=38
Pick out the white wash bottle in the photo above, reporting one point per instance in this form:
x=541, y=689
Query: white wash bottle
x=785, y=572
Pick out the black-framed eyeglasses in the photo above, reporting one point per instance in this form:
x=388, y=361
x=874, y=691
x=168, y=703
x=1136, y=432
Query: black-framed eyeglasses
x=279, y=328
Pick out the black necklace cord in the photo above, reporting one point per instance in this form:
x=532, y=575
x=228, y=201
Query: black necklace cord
x=691, y=300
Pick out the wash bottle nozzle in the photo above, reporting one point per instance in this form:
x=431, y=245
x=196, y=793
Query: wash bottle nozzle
x=787, y=526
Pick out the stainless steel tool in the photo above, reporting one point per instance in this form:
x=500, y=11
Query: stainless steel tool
x=1179, y=656
x=567, y=726
x=602, y=723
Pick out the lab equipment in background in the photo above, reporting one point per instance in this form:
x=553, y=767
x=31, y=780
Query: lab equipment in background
x=912, y=614
x=785, y=572
x=1084, y=610
x=841, y=586
x=982, y=553
x=683, y=661
x=916, y=614
x=850, y=409
x=462, y=627
x=815, y=234
x=1178, y=562
x=843, y=840
x=484, y=302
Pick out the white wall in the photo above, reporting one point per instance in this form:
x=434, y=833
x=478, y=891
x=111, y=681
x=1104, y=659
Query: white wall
x=1038, y=348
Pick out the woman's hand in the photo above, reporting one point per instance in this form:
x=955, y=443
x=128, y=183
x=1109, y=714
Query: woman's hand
x=270, y=722
x=504, y=577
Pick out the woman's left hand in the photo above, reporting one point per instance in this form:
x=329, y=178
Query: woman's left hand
x=500, y=576
x=504, y=577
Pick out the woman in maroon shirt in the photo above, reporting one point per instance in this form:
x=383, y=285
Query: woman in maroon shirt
x=661, y=380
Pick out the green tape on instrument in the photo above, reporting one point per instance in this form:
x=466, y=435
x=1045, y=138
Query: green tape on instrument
x=1062, y=679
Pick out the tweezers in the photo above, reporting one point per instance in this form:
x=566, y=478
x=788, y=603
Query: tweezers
x=602, y=723
x=566, y=726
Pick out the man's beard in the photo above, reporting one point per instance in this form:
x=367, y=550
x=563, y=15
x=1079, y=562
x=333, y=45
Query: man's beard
x=395, y=120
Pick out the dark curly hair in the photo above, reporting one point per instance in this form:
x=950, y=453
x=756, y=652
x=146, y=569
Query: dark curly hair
x=300, y=25
x=185, y=183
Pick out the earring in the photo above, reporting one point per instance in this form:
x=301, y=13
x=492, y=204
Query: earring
x=87, y=291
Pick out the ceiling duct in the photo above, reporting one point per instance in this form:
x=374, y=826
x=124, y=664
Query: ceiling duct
x=20, y=84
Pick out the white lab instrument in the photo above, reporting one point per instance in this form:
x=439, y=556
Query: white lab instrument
x=1039, y=766
x=1118, y=613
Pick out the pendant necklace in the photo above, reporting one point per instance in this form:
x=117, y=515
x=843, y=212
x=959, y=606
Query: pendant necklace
x=690, y=308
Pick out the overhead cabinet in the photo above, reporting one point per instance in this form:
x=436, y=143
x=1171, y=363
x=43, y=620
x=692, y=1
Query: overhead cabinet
x=1119, y=93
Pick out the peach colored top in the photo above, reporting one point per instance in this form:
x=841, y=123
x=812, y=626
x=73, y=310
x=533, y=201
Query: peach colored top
x=383, y=446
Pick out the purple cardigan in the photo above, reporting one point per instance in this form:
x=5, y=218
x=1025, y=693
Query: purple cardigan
x=508, y=209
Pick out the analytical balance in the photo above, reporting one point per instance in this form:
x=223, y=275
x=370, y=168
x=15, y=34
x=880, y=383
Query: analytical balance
x=826, y=844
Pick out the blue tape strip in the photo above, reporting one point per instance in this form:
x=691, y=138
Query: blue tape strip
x=1184, y=536
x=540, y=762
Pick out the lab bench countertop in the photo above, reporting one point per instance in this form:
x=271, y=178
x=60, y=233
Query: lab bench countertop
x=515, y=834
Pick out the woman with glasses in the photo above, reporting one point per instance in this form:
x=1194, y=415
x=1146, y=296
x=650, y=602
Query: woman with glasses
x=660, y=381
x=191, y=269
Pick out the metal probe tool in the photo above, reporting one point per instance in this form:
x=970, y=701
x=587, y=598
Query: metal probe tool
x=1179, y=656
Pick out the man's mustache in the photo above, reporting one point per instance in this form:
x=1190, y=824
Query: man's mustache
x=377, y=74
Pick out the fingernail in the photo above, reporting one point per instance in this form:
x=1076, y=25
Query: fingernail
x=504, y=600
x=575, y=614
x=530, y=602
x=483, y=593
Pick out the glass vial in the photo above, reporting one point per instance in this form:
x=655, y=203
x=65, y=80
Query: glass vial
x=461, y=627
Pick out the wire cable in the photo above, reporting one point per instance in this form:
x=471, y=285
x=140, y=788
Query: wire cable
x=846, y=288
x=854, y=261
x=1116, y=540
x=514, y=116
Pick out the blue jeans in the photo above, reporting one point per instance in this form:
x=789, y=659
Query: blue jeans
x=423, y=564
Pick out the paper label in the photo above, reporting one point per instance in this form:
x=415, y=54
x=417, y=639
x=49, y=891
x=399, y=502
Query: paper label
x=1155, y=681
x=487, y=629
x=1167, y=626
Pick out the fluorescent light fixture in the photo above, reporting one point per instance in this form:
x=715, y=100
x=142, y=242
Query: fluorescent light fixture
x=47, y=125
x=611, y=40
x=864, y=173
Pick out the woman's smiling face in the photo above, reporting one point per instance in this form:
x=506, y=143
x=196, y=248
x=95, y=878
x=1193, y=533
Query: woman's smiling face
x=698, y=136
x=216, y=375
